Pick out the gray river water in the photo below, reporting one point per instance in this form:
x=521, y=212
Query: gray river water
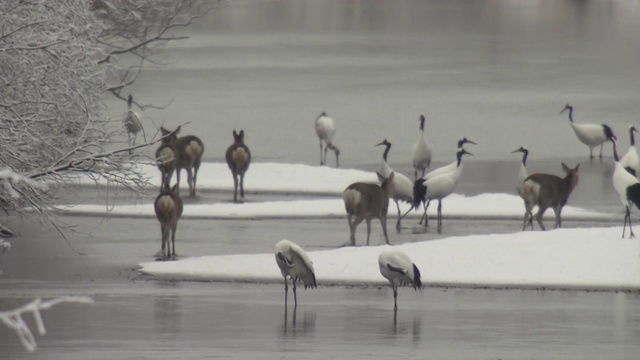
x=496, y=71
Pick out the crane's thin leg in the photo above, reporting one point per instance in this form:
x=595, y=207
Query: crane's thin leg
x=321, y=163
x=601, y=150
x=624, y=227
x=439, y=216
x=424, y=216
x=395, y=297
x=402, y=217
x=286, y=291
x=631, y=235
x=295, y=295
x=399, y=216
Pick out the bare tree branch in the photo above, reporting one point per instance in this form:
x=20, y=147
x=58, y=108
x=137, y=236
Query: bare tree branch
x=15, y=321
x=56, y=58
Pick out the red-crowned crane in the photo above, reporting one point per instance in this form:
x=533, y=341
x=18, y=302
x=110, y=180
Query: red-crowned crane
x=438, y=187
x=421, y=155
x=398, y=268
x=402, y=186
x=628, y=188
x=591, y=135
x=451, y=166
x=326, y=129
x=522, y=176
x=131, y=120
x=630, y=160
x=294, y=263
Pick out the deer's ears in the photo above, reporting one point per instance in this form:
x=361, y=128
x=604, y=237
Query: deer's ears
x=175, y=188
x=166, y=132
x=567, y=169
x=239, y=136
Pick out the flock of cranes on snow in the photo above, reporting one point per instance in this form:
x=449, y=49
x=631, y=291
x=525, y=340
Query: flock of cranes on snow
x=365, y=201
x=539, y=190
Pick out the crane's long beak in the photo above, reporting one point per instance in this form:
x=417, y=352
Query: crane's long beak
x=471, y=142
x=382, y=143
x=517, y=150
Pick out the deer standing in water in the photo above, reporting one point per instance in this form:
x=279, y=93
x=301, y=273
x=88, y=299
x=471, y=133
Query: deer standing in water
x=364, y=201
x=168, y=207
x=238, y=158
x=190, y=149
x=546, y=190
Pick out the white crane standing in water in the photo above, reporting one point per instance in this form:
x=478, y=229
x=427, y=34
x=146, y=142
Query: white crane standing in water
x=294, y=263
x=421, y=151
x=326, y=129
x=398, y=268
x=591, y=135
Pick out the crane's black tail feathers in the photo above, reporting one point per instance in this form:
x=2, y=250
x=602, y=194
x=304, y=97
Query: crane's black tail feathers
x=633, y=194
x=417, y=282
x=313, y=283
x=419, y=192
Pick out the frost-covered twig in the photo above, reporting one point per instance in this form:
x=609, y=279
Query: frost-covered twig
x=13, y=318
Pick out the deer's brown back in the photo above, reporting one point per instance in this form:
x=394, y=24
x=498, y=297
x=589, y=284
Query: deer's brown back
x=554, y=190
x=371, y=200
x=238, y=157
x=168, y=207
x=191, y=149
x=167, y=157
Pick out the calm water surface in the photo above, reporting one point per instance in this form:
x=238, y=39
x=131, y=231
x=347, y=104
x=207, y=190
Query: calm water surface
x=496, y=71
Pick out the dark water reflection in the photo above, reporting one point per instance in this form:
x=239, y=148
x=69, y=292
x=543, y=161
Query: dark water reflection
x=293, y=326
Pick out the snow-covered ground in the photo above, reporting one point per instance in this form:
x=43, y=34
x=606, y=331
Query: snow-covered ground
x=585, y=258
x=594, y=258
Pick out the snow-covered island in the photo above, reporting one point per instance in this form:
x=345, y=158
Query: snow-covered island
x=581, y=258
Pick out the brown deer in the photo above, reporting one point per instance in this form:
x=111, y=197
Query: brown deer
x=168, y=207
x=166, y=160
x=238, y=158
x=546, y=190
x=190, y=149
x=367, y=201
